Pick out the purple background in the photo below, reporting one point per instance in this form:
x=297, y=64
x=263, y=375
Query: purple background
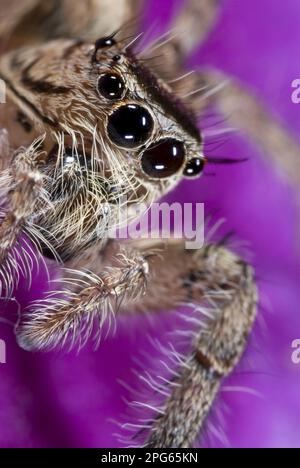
x=70, y=400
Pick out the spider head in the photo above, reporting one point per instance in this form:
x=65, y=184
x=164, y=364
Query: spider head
x=101, y=92
x=157, y=134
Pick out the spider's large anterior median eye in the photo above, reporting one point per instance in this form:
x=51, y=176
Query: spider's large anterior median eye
x=163, y=159
x=111, y=86
x=130, y=126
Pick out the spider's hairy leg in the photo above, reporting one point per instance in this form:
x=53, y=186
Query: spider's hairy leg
x=193, y=24
x=36, y=21
x=211, y=274
x=144, y=276
x=216, y=350
x=177, y=276
x=243, y=109
x=12, y=11
x=70, y=316
x=189, y=28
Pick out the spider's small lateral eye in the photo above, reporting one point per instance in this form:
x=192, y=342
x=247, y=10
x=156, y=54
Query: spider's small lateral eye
x=105, y=42
x=163, y=159
x=111, y=86
x=117, y=58
x=130, y=126
x=194, y=167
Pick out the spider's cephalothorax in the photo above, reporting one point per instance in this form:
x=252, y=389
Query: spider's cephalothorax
x=87, y=128
x=112, y=130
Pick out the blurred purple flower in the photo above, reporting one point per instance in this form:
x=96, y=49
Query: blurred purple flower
x=70, y=400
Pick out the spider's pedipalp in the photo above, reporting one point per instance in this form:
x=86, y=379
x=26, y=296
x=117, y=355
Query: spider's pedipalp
x=22, y=188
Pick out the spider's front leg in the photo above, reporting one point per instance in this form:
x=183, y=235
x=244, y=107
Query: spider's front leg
x=90, y=298
x=216, y=273
x=218, y=276
x=146, y=277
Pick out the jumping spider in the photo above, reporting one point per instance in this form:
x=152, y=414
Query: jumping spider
x=87, y=123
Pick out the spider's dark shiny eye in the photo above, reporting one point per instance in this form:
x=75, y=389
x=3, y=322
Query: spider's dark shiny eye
x=194, y=167
x=130, y=126
x=163, y=159
x=111, y=86
x=105, y=42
